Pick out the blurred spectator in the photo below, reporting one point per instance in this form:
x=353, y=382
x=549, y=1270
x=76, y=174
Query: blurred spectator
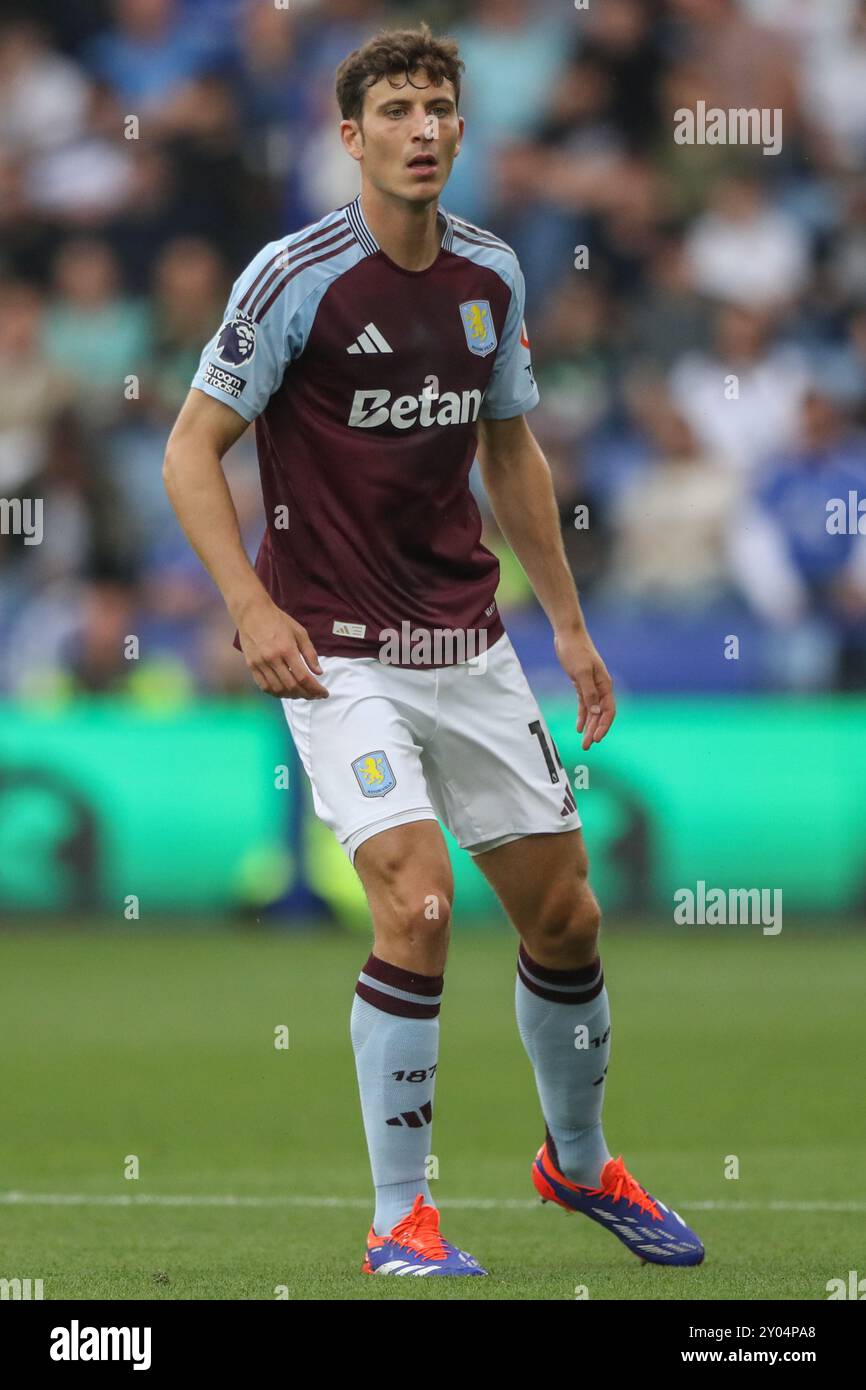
x=834, y=88
x=573, y=359
x=148, y=55
x=88, y=176
x=189, y=294
x=746, y=251
x=669, y=318
x=318, y=179
x=742, y=398
x=97, y=660
x=153, y=216
x=507, y=48
x=742, y=64
x=269, y=87
x=43, y=96
x=32, y=391
x=804, y=21
x=793, y=559
x=93, y=333
x=671, y=526
x=623, y=41
x=848, y=259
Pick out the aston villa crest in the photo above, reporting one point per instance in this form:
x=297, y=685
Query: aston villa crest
x=374, y=773
x=478, y=326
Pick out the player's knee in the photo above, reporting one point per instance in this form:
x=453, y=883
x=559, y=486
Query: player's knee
x=412, y=905
x=425, y=914
x=571, y=916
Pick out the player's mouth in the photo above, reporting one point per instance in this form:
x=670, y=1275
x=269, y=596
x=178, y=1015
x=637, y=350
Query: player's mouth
x=423, y=164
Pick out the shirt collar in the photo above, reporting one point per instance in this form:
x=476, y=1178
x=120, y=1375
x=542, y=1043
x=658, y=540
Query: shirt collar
x=358, y=222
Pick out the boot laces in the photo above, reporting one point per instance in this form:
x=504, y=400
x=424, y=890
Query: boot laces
x=617, y=1182
x=419, y=1231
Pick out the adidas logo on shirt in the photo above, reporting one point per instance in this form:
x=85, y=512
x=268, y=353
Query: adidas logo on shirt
x=370, y=340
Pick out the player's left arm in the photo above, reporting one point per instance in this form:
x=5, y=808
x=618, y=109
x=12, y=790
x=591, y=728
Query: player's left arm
x=520, y=488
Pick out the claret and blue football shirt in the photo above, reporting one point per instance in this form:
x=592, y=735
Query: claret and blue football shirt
x=365, y=381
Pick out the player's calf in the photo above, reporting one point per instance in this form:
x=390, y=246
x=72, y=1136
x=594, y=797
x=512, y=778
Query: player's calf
x=395, y=1035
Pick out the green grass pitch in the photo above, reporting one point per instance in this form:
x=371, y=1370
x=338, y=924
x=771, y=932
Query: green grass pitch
x=253, y=1173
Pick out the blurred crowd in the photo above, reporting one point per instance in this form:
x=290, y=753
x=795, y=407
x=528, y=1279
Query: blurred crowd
x=697, y=312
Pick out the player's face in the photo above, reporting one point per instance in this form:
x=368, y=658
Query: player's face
x=411, y=136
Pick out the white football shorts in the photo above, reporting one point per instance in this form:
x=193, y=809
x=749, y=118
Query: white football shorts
x=465, y=744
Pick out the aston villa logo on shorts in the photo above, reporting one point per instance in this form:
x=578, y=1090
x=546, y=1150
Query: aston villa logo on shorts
x=374, y=774
x=478, y=326
x=237, y=341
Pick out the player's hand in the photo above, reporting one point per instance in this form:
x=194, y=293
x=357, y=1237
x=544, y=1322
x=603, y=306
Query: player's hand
x=279, y=653
x=596, y=709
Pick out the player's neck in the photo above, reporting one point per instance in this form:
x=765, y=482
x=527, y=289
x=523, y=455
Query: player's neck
x=410, y=236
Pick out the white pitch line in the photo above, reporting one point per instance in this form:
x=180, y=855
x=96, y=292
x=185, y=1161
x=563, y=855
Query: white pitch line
x=80, y=1199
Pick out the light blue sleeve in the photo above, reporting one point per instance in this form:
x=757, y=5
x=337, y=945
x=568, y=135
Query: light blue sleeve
x=264, y=328
x=512, y=389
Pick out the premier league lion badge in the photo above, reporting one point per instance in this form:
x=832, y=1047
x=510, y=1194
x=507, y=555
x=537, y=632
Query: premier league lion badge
x=237, y=341
x=478, y=326
x=374, y=773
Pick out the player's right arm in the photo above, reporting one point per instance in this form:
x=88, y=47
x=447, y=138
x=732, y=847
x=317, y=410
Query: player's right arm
x=277, y=649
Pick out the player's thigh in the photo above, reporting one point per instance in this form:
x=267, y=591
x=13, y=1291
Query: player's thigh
x=542, y=882
x=529, y=872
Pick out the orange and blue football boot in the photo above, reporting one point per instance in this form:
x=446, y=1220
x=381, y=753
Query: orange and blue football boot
x=651, y=1230
x=415, y=1247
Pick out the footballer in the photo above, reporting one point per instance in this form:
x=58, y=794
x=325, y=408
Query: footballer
x=379, y=351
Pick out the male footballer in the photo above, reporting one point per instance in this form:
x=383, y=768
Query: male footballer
x=379, y=351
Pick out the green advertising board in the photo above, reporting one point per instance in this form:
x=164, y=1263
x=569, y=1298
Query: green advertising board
x=100, y=800
x=191, y=810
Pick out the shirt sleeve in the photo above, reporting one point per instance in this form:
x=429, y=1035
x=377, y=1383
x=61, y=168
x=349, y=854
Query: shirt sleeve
x=244, y=362
x=512, y=389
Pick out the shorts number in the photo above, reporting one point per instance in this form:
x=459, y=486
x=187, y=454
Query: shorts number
x=536, y=729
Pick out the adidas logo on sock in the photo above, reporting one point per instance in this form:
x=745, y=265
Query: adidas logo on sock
x=414, y=1119
x=370, y=340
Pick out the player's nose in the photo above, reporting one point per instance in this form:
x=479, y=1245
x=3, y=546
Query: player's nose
x=423, y=143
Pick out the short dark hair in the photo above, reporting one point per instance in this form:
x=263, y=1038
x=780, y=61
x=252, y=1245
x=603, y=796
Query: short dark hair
x=394, y=51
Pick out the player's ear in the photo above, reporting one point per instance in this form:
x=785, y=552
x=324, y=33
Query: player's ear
x=352, y=136
x=461, y=124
